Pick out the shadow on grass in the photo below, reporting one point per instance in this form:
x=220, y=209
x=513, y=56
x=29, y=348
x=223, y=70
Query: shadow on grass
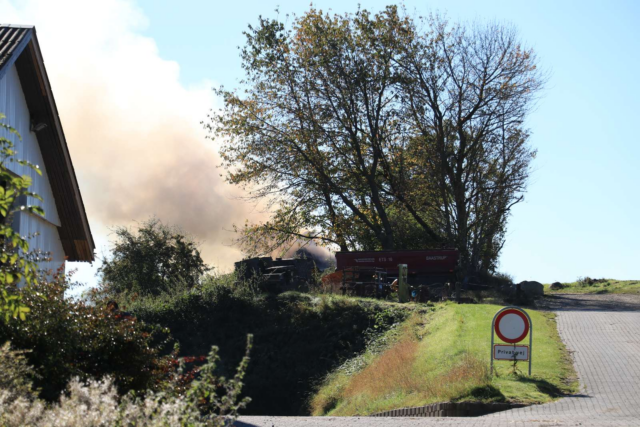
x=545, y=387
x=485, y=393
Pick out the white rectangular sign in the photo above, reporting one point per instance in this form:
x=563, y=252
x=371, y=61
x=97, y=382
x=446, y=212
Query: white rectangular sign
x=508, y=352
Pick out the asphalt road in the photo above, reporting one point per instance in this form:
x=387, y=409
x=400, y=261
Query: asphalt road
x=602, y=332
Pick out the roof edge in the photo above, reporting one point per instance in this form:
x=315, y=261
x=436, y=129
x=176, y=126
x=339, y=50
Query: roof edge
x=18, y=49
x=63, y=143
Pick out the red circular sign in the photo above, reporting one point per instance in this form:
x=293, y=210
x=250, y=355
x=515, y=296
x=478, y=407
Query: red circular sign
x=512, y=326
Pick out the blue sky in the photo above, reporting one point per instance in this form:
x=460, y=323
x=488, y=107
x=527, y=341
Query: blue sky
x=579, y=214
x=579, y=217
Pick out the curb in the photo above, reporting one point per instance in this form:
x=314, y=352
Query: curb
x=450, y=409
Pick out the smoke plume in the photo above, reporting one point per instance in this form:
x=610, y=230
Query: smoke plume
x=321, y=255
x=133, y=129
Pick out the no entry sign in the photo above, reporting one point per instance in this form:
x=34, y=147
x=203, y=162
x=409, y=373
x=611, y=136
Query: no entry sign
x=511, y=325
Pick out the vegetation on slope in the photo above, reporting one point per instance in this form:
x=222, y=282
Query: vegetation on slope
x=587, y=285
x=298, y=338
x=443, y=355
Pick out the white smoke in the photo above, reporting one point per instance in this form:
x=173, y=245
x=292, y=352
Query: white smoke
x=133, y=129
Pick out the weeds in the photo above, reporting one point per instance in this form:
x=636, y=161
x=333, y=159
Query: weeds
x=390, y=372
x=209, y=401
x=299, y=338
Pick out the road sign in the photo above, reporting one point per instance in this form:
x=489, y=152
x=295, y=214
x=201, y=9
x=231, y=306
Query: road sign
x=510, y=352
x=511, y=325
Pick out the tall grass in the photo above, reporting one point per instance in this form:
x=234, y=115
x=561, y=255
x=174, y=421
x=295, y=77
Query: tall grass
x=586, y=285
x=443, y=356
x=394, y=372
x=391, y=372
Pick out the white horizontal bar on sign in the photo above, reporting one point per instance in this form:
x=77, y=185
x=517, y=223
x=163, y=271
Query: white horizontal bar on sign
x=510, y=352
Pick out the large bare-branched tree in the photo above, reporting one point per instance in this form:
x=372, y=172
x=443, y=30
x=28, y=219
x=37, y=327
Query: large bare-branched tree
x=371, y=132
x=468, y=91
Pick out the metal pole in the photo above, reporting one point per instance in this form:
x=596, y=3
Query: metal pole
x=492, y=332
x=530, y=341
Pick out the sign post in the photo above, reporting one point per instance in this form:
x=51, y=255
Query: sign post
x=403, y=286
x=511, y=325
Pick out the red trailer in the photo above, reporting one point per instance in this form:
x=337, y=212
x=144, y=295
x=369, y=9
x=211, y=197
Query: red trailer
x=426, y=267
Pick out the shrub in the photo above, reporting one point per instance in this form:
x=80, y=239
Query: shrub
x=498, y=280
x=209, y=401
x=16, y=374
x=69, y=338
x=154, y=259
x=298, y=337
x=588, y=281
x=17, y=263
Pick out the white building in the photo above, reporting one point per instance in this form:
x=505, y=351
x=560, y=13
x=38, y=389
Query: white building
x=27, y=101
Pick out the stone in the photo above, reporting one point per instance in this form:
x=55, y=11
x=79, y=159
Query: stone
x=531, y=288
x=556, y=286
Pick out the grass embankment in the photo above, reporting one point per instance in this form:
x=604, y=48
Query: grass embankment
x=599, y=286
x=298, y=338
x=442, y=354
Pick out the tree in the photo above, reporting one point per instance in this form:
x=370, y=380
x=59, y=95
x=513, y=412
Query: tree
x=155, y=259
x=319, y=118
x=17, y=262
x=468, y=92
x=368, y=132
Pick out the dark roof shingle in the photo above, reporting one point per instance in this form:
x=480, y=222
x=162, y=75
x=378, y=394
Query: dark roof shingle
x=10, y=38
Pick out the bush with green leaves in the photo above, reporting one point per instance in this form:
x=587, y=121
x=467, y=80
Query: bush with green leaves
x=152, y=260
x=67, y=337
x=17, y=263
x=299, y=338
x=211, y=400
x=16, y=374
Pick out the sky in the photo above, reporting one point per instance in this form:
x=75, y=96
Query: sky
x=133, y=79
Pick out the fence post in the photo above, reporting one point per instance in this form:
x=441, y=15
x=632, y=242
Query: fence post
x=403, y=286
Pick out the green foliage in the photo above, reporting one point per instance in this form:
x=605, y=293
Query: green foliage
x=381, y=131
x=16, y=374
x=16, y=263
x=298, y=338
x=152, y=260
x=68, y=338
x=218, y=395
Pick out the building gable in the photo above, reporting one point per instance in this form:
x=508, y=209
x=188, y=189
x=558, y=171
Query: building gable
x=20, y=54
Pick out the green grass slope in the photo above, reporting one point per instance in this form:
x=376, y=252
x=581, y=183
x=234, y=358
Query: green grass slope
x=601, y=286
x=442, y=354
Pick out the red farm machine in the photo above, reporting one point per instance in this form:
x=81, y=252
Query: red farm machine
x=430, y=274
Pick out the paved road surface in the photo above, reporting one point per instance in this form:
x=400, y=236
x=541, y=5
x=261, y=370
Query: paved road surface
x=602, y=331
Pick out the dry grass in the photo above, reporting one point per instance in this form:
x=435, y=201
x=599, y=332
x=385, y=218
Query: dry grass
x=392, y=371
x=440, y=357
x=397, y=375
x=469, y=372
x=395, y=372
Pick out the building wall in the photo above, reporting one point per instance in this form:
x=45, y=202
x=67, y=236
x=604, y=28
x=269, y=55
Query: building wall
x=42, y=236
x=14, y=106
